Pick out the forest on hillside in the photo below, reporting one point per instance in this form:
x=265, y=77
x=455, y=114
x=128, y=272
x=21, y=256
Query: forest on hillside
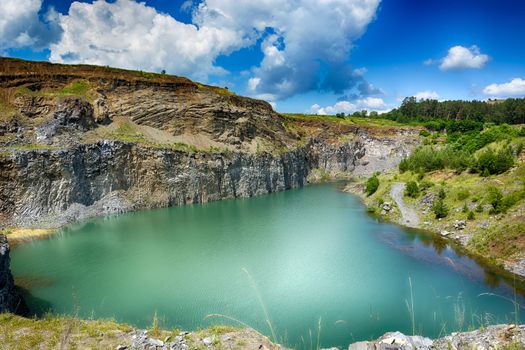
x=510, y=111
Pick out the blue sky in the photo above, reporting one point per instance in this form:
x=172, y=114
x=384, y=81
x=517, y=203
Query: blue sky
x=302, y=55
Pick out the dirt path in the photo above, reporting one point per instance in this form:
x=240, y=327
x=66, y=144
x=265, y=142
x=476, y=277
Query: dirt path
x=408, y=214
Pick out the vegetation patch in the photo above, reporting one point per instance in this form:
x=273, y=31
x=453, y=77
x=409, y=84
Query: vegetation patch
x=79, y=88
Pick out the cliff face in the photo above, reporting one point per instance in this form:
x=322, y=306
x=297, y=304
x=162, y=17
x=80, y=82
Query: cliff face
x=80, y=141
x=10, y=299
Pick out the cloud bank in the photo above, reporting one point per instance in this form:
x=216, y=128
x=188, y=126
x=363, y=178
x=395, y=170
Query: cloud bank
x=305, y=43
x=427, y=95
x=22, y=24
x=514, y=88
x=371, y=104
x=460, y=57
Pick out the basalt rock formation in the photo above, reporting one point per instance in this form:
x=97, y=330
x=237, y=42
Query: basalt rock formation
x=10, y=299
x=80, y=141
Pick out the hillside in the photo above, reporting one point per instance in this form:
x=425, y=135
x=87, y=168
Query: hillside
x=79, y=141
x=469, y=189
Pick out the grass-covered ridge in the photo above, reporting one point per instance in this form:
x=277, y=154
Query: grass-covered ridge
x=349, y=120
x=67, y=332
x=475, y=178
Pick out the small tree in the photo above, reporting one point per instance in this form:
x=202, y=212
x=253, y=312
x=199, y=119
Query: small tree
x=412, y=189
x=495, y=198
x=439, y=208
x=441, y=193
x=371, y=185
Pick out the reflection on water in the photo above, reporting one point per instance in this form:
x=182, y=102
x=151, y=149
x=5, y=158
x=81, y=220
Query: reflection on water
x=312, y=254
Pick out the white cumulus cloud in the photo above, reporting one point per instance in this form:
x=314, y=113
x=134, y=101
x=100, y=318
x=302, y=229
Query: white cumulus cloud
x=371, y=104
x=21, y=24
x=460, y=57
x=305, y=43
x=427, y=95
x=295, y=35
x=515, y=87
x=132, y=35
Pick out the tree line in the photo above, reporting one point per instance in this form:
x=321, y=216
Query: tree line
x=470, y=113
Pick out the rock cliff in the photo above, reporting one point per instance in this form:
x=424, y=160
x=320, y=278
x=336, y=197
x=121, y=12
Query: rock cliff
x=80, y=141
x=10, y=299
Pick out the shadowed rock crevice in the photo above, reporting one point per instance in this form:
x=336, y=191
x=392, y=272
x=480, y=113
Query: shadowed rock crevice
x=10, y=298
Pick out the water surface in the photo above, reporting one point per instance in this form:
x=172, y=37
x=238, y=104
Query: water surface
x=300, y=258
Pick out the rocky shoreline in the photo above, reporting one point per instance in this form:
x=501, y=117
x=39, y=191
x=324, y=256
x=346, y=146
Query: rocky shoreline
x=397, y=213
x=66, y=332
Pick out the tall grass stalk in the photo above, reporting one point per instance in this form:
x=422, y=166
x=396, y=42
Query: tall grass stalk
x=261, y=302
x=514, y=301
x=318, y=334
x=228, y=318
x=410, y=307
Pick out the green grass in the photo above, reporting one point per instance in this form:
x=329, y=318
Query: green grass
x=216, y=89
x=30, y=146
x=79, y=88
x=360, y=121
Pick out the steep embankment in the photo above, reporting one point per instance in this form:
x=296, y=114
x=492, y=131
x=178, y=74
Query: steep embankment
x=482, y=212
x=79, y=141
x=10, y=299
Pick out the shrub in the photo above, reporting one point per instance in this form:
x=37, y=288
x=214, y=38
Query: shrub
x=492, y=163
x=465, y=208
x=371, y=185
x=412, y=190
x=462, y=194
x=441, y=193
x=439, y=208
x=424, y=133
x=470, y=215
x=512, y=198
x=495, y=198
x=479, y=208
x=404, y=165
x=425, y=184
x=429, y=158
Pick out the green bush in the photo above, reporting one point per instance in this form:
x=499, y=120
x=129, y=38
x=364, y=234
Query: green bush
x=465, y=208
x=492, y=163
x=412, y=189
x=424, y=133
x=429, y=158
x=425, y=185
x=462, y=194
x=495, y=198
x=470, y=215
x=371, y=185
x=441, y=193
x=439, y=208
x=512, y=199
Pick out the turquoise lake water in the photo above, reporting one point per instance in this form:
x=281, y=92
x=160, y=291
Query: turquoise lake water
x=299, y=258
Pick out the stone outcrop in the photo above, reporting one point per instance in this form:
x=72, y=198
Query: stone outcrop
x=80, y=141
x=48, y=188
x=10, y=299
x=487, y=338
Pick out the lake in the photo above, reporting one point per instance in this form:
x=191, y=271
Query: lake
x=298, y=259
